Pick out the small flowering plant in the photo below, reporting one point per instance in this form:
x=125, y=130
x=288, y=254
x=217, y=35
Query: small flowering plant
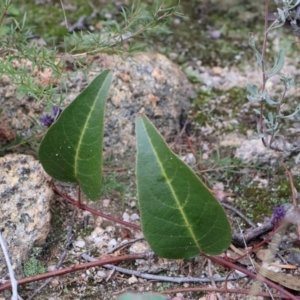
x=278, y=214
x=48, y=120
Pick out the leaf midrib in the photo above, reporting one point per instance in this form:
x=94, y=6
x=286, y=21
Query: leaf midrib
x=187, y=224
x=82, y=135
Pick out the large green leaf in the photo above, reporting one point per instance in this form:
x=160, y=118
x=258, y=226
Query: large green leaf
x=71, y=151
x=180, y=216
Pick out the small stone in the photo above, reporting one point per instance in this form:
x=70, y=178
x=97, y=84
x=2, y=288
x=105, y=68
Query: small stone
x=132, y=279
x=101, y=274
x=51, y=268
x=126, y=217
x=98, y=231
x=80, y=243
x=112, y=243
x=98, y=240
x=205, y=156
x=108, y=16
x=110, y=229
x=55, y=283
x=87, y=214
x=215, y=34
x=98, y=221
x=217, y=71
x=106, y=202
x=132, y=204
x=189, y=159
x=138, y=247
x=173, y=55
x=141, y=289
x=134, y=217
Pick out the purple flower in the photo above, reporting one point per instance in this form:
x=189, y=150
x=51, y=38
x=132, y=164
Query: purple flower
x=47, y=120
x=278, y=213
x=56, y=111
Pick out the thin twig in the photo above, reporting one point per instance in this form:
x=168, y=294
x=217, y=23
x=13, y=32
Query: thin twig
x=79, y=267
x=63, y=256
x=252, y=233
x=123, y=245
x=13, y=280
x=222, y=261
x=213, y=283
x=250, y=258
x=240, y=214
x=294, y=194
x=162, y=278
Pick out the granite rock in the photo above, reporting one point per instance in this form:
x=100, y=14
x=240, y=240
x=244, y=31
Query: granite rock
x=147, y=80
x=24, y=208
x=253, y=151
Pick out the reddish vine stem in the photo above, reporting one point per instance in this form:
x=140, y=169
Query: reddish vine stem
x=79, y=267
x=93, y=211
x=223, y=290
x=221, y=261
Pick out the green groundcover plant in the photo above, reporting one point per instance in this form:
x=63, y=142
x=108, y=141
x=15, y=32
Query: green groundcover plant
x=180, y=217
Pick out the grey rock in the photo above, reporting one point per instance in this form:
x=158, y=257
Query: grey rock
x=24, y=208
x=253, y=151
x=148, y=80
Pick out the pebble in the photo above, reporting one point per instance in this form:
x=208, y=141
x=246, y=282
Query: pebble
x=54, y=283
x=98, y=231
x=98, y=240
x=110, y=229
x=106, y=202
x=80, y=243
x=189, y=159
x=217, y=71
x=134, y=217
x=51, y=268
x=101, y=274
x=215, y=34
x=132, y=279
x=253, y=151
x=138, y=247
x=126, y=217
x=132, y=204
x=112, y=243
x=98, y=221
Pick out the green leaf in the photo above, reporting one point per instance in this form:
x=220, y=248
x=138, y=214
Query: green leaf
x=253, y=46
x=71, y=151
x=277, y=65
x=146, y=296
x=180, y=217
x=253, y=93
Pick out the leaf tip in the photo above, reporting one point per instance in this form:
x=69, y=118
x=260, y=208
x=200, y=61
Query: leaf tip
x=141, y=113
